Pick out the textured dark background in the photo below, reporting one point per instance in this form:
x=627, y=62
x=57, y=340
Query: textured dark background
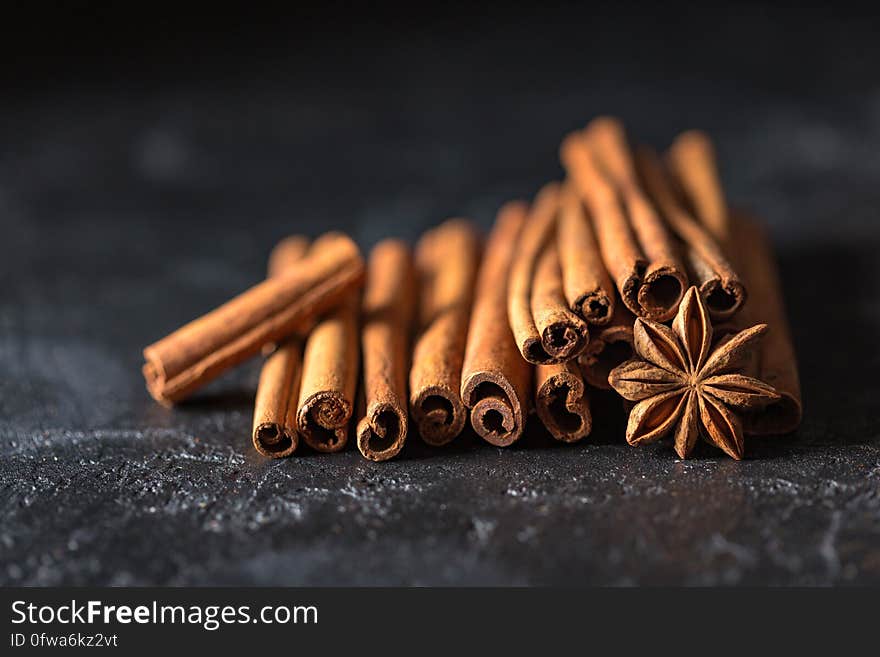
x=149, y=162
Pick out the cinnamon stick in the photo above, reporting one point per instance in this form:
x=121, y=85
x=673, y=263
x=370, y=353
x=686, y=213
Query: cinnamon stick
x=446, y=259
x=274, y=430
x=329, y=378
x=495, y=379
x=777, y=361
x=719, y=284
x=663, y=281
x=692, y=160
x=587, y=286
x=388, y=308
x=200, y=351
x=609, y=346
x=561, y=401
x=544, y=328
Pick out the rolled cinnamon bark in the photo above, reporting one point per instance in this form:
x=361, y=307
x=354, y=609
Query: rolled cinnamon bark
x=777, y=361
x=561, y=401
x=692, y=160
x=544, y=328
x=274, y=431
x=495, y=380
x=329, y=378
x=388, y=308
x=610, y=346
x=717, y=281
x=446, y=258
x=587, y=286
x=274, y=309
x=664, y=279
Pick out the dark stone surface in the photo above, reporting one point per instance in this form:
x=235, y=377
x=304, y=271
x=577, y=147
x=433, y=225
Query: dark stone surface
x=141, y=189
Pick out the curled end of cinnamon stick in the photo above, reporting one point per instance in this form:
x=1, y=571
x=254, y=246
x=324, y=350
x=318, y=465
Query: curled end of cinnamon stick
x=780, y=417
x=564, y=340
x=561, y=340
x=723, y=298
x=612, y=346
x=598, y=366
x=561, y=404
x=496, y=413
x=595, y=307
x=439, y=414
x=381, y=434
x=322, y=420
x=660, y=293
x=273, y=440
x=154, y=376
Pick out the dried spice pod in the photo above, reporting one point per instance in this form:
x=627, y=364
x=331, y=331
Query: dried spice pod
x=329, y=378
x=685, y=384
x=447, y=258
x=718, y=282
x=609, y=346
x=495, y=380
x=587, y=286
x=388, y=308
x=692, y=160
x=544, y=328
x=274, y=432
x=664, y=279
x=777, y=361
x=561, y=401
x=278, y=307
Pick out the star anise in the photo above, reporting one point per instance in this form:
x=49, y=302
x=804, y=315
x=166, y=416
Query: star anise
x=682, y=382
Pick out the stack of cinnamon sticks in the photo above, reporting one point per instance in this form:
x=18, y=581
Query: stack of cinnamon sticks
x=530, y=320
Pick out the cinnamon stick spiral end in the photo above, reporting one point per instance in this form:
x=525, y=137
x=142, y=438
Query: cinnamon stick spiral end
x=273, y=440
x=382, y=433
x=611, y=348
x=561, y=404
x=661, y=293
x=439, y=414
x=595, y=307
x=564, y=340
x=155, y=379
x=496, y=413
x=723, y=299
x=781, y=417
x=323, y=421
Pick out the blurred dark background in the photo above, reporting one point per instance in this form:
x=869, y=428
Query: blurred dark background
x=150, y=156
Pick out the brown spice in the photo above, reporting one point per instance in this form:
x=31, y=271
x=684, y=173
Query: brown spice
x=692, y=159
x=719, y=284
x=274, y=309
x=329, y=379
x=649, y=289
x=561, y=401
x=274, y=428
x=447, y=258
x=388, y=308
x=683, y=382
x=495, y=379
x=544, y=328
x=664, y=280
x=610, y=345
x=777, y=361
x=588, y=288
